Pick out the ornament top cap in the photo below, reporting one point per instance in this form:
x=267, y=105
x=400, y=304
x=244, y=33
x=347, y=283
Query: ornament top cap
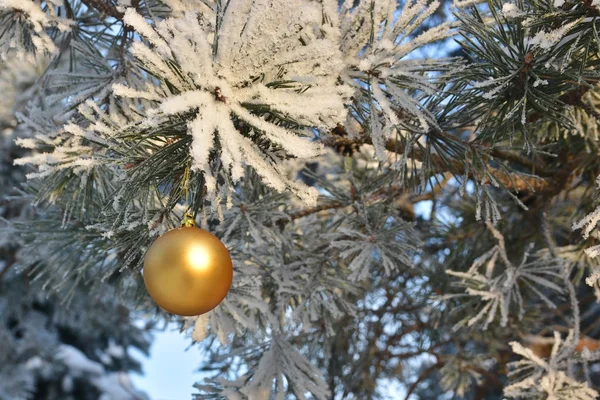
x=188, y=220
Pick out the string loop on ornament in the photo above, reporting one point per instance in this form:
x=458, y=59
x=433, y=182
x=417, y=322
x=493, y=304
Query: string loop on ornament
x=188, y=218
x=186, y=178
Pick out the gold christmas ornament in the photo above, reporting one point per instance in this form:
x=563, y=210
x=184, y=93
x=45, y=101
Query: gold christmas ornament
x=188, y=271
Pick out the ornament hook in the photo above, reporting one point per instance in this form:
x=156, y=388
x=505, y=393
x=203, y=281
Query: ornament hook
x=188, y=220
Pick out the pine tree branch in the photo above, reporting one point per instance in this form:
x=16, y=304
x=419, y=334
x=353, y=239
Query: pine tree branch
x=491, y=381
x=538, y=166
x=394, y=190
x=104, y=7
x=422, y=377
x=314, y=210
x=510, y=180
x=6, y=268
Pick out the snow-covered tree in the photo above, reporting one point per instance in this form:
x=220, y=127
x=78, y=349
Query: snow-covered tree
x=398, y=183
x=48, y=349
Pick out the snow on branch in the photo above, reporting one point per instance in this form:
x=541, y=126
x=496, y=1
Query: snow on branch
x=267, y=73
x=72, y=147
x=29, y=33
x=379, y=45
x=112, y=385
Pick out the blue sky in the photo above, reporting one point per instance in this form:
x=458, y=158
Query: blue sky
x=169, y=371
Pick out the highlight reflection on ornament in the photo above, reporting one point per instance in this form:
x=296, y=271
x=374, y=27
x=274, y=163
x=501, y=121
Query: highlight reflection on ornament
x=188, y=271
x=198, y=258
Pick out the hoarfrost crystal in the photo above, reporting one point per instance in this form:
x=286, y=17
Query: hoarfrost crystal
x=266, y=65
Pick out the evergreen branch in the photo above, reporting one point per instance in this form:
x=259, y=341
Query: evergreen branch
x=491, y=381
x=6, y=268
x=381, y=194
x=117, y=174
x=508, y=179
x=314, y=210
x=104, y=7
x=422, y=377
x=538, y=166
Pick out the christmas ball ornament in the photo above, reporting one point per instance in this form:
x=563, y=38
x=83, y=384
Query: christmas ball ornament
x=187, y=271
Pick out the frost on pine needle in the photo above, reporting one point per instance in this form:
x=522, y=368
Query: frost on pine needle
x=258, y=78
x=310, y=299
x=378, y=52
x=466, y=3
x=457, y=377
x=242, y=310
x=511, y=11
x=280, y=368
x=91, y=78
x=390, y=244
x=494, y=288
x=525, y=61
x=71, y=148
x=585, y=120
x=214, y=107
x=254, y=215
x=552, y=378
x=66, y=157
x=291, y=296
x=305, y=297
x=582, y=259
x=589, y=225
x=547, y=40
x=17, y=78
x=25, y=29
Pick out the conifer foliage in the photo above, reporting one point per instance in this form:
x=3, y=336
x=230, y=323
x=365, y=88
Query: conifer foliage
x=48, y=350
x=401, y=184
